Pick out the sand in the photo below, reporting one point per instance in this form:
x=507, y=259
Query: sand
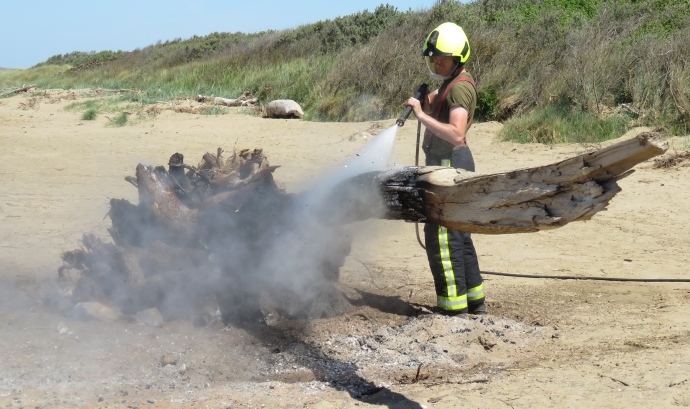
x=546, y=343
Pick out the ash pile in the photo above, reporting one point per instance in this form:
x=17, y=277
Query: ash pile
x=220, y=240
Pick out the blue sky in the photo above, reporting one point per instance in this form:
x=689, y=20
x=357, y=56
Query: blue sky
x=33, y=30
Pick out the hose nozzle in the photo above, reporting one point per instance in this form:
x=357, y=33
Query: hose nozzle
x=419, y=95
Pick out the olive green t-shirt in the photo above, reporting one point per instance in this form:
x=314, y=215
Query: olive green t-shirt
x=461, y=95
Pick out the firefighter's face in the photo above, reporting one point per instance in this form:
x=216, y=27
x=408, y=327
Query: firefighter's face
x=443, y=65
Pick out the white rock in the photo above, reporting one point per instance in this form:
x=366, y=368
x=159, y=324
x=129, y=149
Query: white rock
x=151, y=317
x=284, y=108
x=86, y=311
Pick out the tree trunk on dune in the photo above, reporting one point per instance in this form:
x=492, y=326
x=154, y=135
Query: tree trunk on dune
x=520, y=201
x=245, y=99
x=18, y=90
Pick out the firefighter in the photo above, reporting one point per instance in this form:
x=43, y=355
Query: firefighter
x=447, y=115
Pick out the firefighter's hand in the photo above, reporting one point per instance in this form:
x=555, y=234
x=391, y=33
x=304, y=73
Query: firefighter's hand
x=423, y=98
x=416, y=106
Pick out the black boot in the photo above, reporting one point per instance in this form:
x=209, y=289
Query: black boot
x=479, y=309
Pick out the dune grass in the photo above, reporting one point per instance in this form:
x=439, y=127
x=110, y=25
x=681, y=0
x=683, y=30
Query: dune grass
x=15, y=78
x=89, y=115
x=527, y=56
x=564, y=123
x=120, y=120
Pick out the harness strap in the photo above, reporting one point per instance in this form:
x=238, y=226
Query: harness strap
x=439, y=103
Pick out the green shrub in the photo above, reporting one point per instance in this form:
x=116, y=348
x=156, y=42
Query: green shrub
x=331, y=36
x=621, y=95
x=487, y=104
x=120, y=120
x=89, y=114
x=79, y=58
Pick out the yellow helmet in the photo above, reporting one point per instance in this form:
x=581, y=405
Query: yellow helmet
x=446, y=40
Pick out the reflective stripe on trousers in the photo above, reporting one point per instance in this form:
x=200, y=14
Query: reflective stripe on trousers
x=452, y=301
x=452, y=257
x=476, y=293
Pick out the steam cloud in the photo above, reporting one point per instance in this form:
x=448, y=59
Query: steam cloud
x=272, y=250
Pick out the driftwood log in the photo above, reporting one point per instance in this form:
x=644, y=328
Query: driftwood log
x=116, y=91
x=18, y=90
x=245, y=99
x=225, y=230
x=520, y=201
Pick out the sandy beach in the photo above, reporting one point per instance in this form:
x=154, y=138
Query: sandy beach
x=545, y=344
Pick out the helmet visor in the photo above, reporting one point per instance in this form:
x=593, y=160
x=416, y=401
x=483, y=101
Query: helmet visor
x=430, y=64
x=432, y=67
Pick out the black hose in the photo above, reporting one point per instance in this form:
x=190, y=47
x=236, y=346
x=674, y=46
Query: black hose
x=416, y=163
x=635, y=280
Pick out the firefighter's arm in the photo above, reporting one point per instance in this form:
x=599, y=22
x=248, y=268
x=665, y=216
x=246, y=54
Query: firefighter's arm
x=453, y=132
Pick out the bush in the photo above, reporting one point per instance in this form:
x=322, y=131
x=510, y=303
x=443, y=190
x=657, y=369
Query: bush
x=79, y=58
x=331, y=36
x=120, y=120
x=89, y=114
x=487, y=104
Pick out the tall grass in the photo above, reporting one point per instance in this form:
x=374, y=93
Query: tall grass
x=120, y=120
x=561, y=123
x=42, y=74
x=527, y=56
